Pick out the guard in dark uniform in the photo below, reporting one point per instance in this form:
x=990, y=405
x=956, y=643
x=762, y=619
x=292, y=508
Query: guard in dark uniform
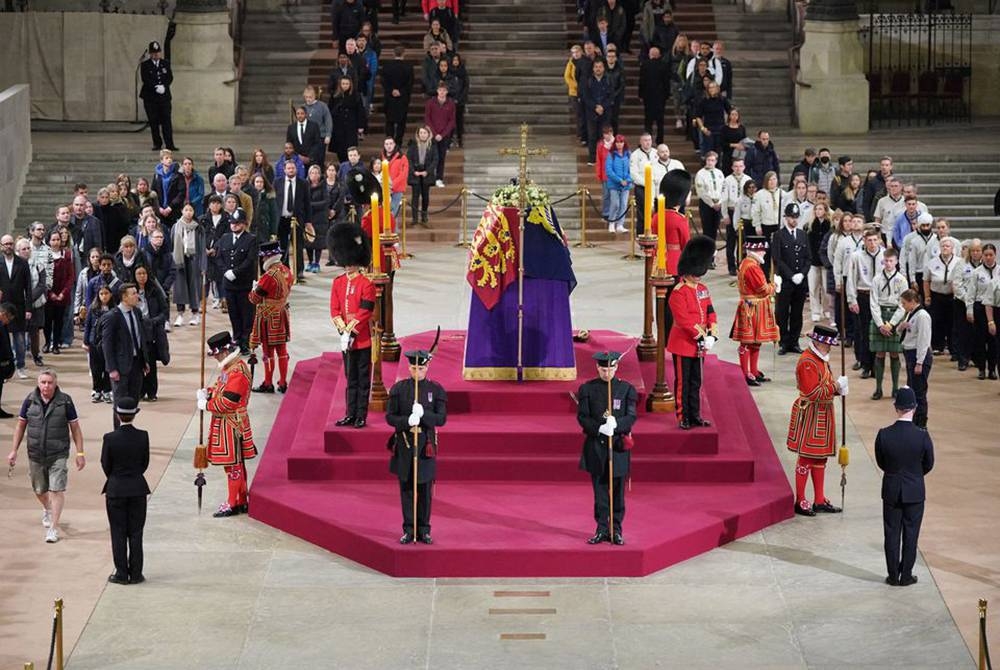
x=417, y=406
x=905, y=453
x=598, y=425
x=790, y=255
x=155, y=93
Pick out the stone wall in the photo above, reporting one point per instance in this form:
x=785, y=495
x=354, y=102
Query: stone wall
x=15, y=149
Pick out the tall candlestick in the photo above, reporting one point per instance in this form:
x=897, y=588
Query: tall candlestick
x=376, y=235
x=386, y=202
x=661, y=233
x=647, y=204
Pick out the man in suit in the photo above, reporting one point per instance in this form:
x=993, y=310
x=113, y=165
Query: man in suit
x=654, y=89
x=306, y=138
x=238, y=260
x=156, y=78
x=7, y=314
x=292, y=196
x=397, y=83
x=905, y=453
x=790, y=256
x=15, y=288
x=124, y=459
x=122, y=342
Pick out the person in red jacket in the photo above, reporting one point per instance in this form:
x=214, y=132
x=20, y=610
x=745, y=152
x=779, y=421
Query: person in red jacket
x=754, y=322
x=675, y=187
x=352, y=300
x=439, y=116
x=812, y=430
x=399, y=173
x=696, y=329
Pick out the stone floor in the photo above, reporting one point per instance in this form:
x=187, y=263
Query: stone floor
x=233, y=593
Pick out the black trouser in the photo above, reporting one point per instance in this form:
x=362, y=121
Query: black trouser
x=98, y=374
x=460, y=121
x=653, y=116
x=594, y=124
x=601, y=502
x=150, y=383
x=398, y=9
x=576, y=106
x=732, y=238
x=640, y=209
x=442, y=149
x=687, y=387
x=961, y=332
x=984, y=349
x=158, y=113
x=395, y=126
x=284, y=237
x=918, y=383
x=358, y=365
x=54, y=315
x=768, y=231
x=788, y=310
x=128, y=385
x=126, y=517
x=941, y=308
x=862, y=347
x=240, y=315
x=423, y=506
x=710, y=218
x=421, y=198
x=901, y=523
x=919, y=278
x=668, y=316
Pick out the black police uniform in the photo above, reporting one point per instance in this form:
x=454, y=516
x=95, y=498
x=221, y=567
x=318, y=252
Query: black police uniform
x=790, y=253
x=158, y=105
x=434, y=401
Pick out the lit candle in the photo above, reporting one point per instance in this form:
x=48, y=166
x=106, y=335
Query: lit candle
x=386, y=199
x=376, y=235
x=661, y=237
x=647, y=205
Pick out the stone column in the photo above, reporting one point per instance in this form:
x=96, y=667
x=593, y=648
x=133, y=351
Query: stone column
x=201, y=56
x=832, y=63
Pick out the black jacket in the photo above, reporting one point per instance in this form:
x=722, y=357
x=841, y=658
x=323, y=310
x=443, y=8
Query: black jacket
x=312, y=142
x=429, y=165
x=115, y=223
x=347, y=18
x=348, y=112
x=435, y=403
x=790, y=253
x=116, y=341
x=240, y=256
x=88, y=233
x=397, y=74
x=905, y=454
x=592, y=399
x=173, y=198
x=16, y=288
x=124, y=459
x=153, y=75
x=154, y=330
x=6, y=354
x=127, y=274
x=654, y=82
x=299, y=207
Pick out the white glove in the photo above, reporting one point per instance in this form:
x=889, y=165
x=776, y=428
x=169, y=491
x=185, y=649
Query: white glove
x=414, y=420
x=611, y=421
x=418, y=410
x=710, y=341
x=203, y=404
x=161, y=89
x=797, y=278
x=253, y=287
x=345, y=340
x=606, y=429
x=230, y=275
x=777, y=283
x=842, y=384
x=202, y=394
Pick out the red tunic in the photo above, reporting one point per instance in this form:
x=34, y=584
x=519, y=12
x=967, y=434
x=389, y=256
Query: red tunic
x=754, y=321
x=390, y=259
x=230, y=425
x=678, y=234
x=812, y=430
x=352, y=299
x=270, y=321
x=694, y=317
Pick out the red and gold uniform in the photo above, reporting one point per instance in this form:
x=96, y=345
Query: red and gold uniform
x=390, y=258
x=812, y=431
x=694, y=321
x=230, y=439
x=678, y=234
x=352, y=300
x=271, y=325
x=754, y=323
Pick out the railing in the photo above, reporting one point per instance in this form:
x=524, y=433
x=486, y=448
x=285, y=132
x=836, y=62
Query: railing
x=237, y=19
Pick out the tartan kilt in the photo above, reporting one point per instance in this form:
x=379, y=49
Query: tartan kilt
x=754, y=322
x=888, y=343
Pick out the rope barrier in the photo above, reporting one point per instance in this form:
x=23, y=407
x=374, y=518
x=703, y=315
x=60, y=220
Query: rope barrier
x=56, y=620
x=448, y=206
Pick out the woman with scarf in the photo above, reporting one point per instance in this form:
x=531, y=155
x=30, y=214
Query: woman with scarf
x=188, y=239
x=422, y=156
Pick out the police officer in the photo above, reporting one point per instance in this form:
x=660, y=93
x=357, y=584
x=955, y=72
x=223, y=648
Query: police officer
x=905, y=453
x=790, y=255
x=156, y=79
x=599, y=423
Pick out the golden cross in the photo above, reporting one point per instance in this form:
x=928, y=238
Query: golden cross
x=522, y=153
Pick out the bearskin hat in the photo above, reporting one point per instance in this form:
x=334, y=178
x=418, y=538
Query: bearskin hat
x=675, y=187
x=696, y=256
x=361, y=184
x=349, y=245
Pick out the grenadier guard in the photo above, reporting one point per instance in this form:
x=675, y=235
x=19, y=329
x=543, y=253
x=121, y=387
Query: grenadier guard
x=812, y=431
x=230, y=438
x=886, y=288
x=417, y=407
x=675, y=187
x=599, y=423
x=696, y=332
x=272, y=328
x=352, y=301
x=754, y=322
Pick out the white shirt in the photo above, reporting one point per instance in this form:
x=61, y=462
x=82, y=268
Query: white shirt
x=289, y=197
x=302, y=131
x=914, y=254
x=768, y=207
x=708, y=183
x=886, y=290
x=862, y=269
x=10, y=265
x=847, y=245
x=637, y=163
x=732, y=191
x=942, y=275
x=660, y=169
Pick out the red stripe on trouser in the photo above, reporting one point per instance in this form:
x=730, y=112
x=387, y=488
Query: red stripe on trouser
x=678, y=386
x=237, y=481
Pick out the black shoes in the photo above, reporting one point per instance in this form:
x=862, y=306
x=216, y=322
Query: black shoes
x=618, y=539
x=804, y=511
x=599, y=536
x=224, y=512
x=698, y=421
x=282, y=388
x=685, y=424
x=762, y=379
x=264, y=388
x=242, y=509
x=866, y=373
x=856, y=366
x=346, y=421
x=360, y=422
x=115, y=579
x=752, y=381
x=827, y=508
x=877, y=395
x=138, y=579
x=425, y=539
x=782, y=350
x=4, y=414
x=963, y=366
x=407, y=538
x=795, y=349
x=891, y=581
x=981, y=375
x=908, y=580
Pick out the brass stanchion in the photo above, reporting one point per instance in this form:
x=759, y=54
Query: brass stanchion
x=984, y=650
x=293, y=251
x=631, y=255
x=465, y=219
x=29, y=666
x=661, y=399
x=402, y=229
x=379, y=396
x=59, y=633
x=646, y=348
x=389, y=346
x=583, y=193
